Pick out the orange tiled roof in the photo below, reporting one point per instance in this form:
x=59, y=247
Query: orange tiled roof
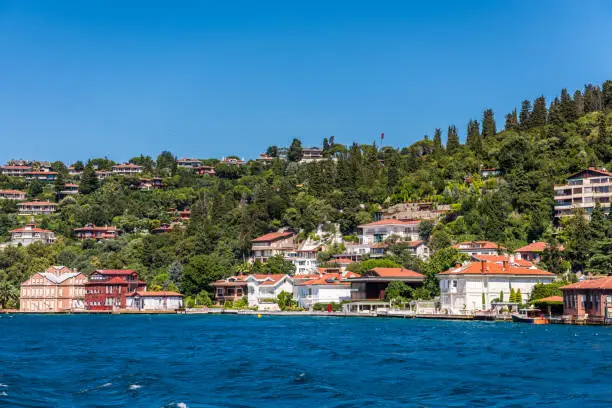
x=478, y=245
x=601, y=283
x=11, y=192
x=273, y=236
x=33, y=229
x=395, y=273
x=495, y=268
x=536, y=247
x=115, y=271
x=390, y=222
x=502, y=258
x=40, y=203
x=550, y=299
x=342, y=261
x=156, y=293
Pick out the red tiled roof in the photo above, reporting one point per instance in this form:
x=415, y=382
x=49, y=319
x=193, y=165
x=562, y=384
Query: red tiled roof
x=94, y=228
x=115, y=271
x=600, y=171
x=389, y=222
x=268, y=279
x=327, y=279
x=40, y=203
x=395, y=273
x=494, y=268
x=16, y=167
x=159, y=293
x=29, y=230
x=127, y=165
x=478, y=245
x=41, y=172
x=601, y=283
x=379, y=245
x=342, y=261
x=536, y=247
x=273, y=236
x=549, y=299
x=113, y=281
x=502, y=258
x=11, y=192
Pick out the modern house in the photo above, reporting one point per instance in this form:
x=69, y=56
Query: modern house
x=489, y=172
x=417, y=248
x=29, y=234
x=479, y=248
x=159, y=300
x=474, y=285
x=75, y=174
x=36, y=208
x=146, y=184
x=311, y=154
x=372, y=285
x=583, y=190
x=589, y=299
x=230, y=289
x=233, y=161
x=12, y=195
x=533, y=252
x=305, y=257
x=327, y=288
x=263, y=289
x=107, y=289
x=187, y=163
x=70, y=189
x=91, y=231
x=208, y=170
x=378, y=231
x=274, y=243
x=58, y=289
x=127, y=169
x=44, y=176
x=103, y=174
x=15, y=170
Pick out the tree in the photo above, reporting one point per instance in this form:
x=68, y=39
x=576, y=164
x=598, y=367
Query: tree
x=89, y=180
x=577, y=234
x=78, y=165
x=285, y=301
x=501, y=296
x=544, y=290
x=511, y=121
x=452, y=139
x=488, y=124
x=512, y=298
x=425, y=229
x=519, y=296
x=8, y=294
x=398, y=292
x=295, y=151
x=607, y=94
x=474, y=141
x=59, y=184
x=539, y=114
x=272, y=151
x=437, y=141
x=166, y=164
x=175, y=272
x=35, y=188
x=525, y=115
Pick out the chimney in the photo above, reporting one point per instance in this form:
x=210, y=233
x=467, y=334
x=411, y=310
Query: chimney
x=511, y=259
x=482, y=265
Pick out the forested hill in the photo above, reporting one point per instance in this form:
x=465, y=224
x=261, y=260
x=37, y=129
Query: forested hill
x=534, y=147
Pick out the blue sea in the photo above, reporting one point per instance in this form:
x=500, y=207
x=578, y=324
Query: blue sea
x=273, y=361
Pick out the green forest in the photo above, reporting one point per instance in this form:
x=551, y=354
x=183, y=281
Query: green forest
x=534, y=147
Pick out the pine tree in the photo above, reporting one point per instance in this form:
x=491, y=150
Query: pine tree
x=579, y=103
x=452, y=139
x=295, y=151
x=593, y=98
x=488, y=124
x=59, y=184
x=606, y=94
x=554, y=113
x=598, y=223
x=525, y=115
x=437, y=141
x=567, y=107
x=538, y=116
x=89, y=180
x=473, y=136
x=501, y=295
x=519, y=296
x=512, y=297
x=511, y=121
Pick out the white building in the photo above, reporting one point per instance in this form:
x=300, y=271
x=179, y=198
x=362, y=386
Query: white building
x=479, y=248
x=465, y=288
x=29, y=234
x=263, y=289
x=127, y=169
x=379, y=231
x=327, y=288
x=189, y=163
x=161, y=300
x=12, y=195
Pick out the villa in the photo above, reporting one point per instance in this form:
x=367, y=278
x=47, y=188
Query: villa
x=274, y=243
x=187, y=163
x=45, y=176
x=36, y=208
x=479, y=248
x=103, y=174
x=70, y=189
x=264, y=289
x=159, y=300
x=230, y=289
x=12, y=195
x=127, y=169
x=107, y=289
x=15, y=170
x=202, y=170
x=589, y=299
x=327, y=288
x=91, y=231
x=30, y=234
x=379, y=231
x=58, y=289
x=474, y=285
x=311, y=154
x=533, y=252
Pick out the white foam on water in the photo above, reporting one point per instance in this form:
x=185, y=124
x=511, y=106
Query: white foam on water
x=108, y=384
x=3, y=394
x=181, y=405
x=135, y=386
x=3, y=385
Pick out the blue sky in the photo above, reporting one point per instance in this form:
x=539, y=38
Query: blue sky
x=83, y=79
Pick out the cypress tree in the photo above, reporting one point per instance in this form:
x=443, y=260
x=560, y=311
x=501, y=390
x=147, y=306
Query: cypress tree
x=554, y=113
x=89, y=180
x=606, y=94
x=437, y=141
x=538, y=116
x=519, y=296
x=512, y=298
x=295, y=151
x=488, y=124
x=501, y=295
x=525, y=115
x=593, y=98
x=511, y=120
x=59, y=183
x=473, y=136
x=452, y=139
x=579, y=103
x=567, y=107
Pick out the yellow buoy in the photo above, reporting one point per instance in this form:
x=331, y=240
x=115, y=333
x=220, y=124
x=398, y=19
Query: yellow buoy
x=259, y=316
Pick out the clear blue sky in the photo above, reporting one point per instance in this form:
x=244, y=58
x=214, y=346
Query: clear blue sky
x=83, y=79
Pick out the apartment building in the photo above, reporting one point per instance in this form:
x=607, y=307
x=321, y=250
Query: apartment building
x=583, y=190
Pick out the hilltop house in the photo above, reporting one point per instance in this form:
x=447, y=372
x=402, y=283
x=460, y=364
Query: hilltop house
x=70, y=189
x=102, y=174
x=57, y=289
x=274, y=243
x=107, y=289
x=479, y=248
x=29, y=234
x=589, y=299
x=378, y=231
x=12, y=195
x=15, y=171
x=208, y=170
x=36, y=208
x=187, y=163
x=91, y=231
x=44, y=176
x=262, y=289
x=583, y=190
x=474, y=285
x=311, y=154
x=533, y=252
x=233, y=161
x=127, y=169
x=159, y=300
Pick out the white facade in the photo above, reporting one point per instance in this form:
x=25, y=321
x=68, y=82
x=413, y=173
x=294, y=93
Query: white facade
x=267, y=287
x=464, y=292
x=30, y=234
x=381, y=230
x=149, y=301
x=308, y=295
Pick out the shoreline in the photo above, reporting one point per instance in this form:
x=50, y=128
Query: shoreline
x=395, y=315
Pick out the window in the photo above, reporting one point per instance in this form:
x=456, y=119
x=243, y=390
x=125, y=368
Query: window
x=454, y=284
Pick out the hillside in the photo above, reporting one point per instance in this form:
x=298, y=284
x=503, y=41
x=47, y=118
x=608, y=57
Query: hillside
x=536, y=148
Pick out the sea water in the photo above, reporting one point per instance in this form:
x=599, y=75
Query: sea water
x=246, y=361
